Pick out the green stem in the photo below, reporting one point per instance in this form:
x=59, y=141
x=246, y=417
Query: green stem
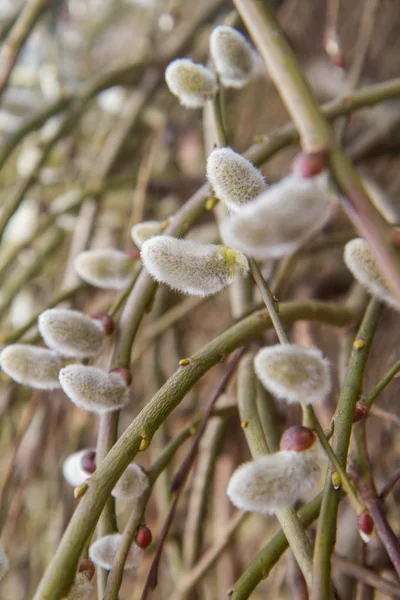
x=343, y=418
x=61, y=570
x=380, y=386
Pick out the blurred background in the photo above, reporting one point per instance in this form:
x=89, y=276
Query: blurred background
x=91, y=142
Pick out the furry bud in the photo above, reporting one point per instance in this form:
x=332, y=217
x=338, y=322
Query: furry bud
x=234, y=178
x=191, y=83
x=273, y=481
x=103, y=551
x=93, y=389
x=293, y=373
x=365, y=526
x=281, y=219
x=233, y=56
x=132, y=483
x=143, y=537
x=106, y=268
x=297, y=438
x=4, y=566
x=31, y=366
x=190, y=267
x=70, y=332
x=143, y=231
x=81, y=589
x=360, y=262
x=78, y=467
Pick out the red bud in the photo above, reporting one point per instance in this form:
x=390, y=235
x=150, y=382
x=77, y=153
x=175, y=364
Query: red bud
x=309, y=165
x=87, y=567
x=88, y=462
x=297, y=439
x=365, y=526
x=359, y=412
x=106, y=320
x=125, y=374
x=143, y=537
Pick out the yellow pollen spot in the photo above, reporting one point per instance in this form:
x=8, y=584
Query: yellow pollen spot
x=184, y=362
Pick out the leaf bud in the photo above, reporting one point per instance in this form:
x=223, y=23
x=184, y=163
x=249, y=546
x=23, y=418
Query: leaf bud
x=143, y=537
x=105, y=268
x=360, y=411
x=297, y=438
x=365, y=526
x=190, y=267
x=106, y=320
x=35, y=367
x=310, y=164
x=293, y=373
x=192, y=83
x=233, y=56
x=235, y=179
x=93, y=389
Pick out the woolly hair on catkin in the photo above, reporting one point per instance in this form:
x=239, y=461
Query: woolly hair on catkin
x=132, y=483
x=233, y=56
x=281, y=219
x=93, y=389
x=35, y=367
x=103, y=551
x=359, y=260
x=235, y=179
x=293, y=373
x=72, y=469
x=190, y=267
x=191, y=83
x=4, y=565
x=70, y=332
x=274, y=481
x=105, y=268
x=81, y=589
x=144, y=231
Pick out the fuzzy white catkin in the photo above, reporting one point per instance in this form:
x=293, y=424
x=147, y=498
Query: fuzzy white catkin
x=144, y=231
x=81, y=589
x=93, y=389
x=233, y=56
x=105, y=268
x=72, y=469
x=23, y=223
x=132, y=483
x=191, y=83
x=235, y=179
x=103, y=551
x=4, y=565
x=293, y=373
x=190, y=267
x=70, y=332
x=359, y=260
x=281, y=219
x=31, y=366
x=274, y=481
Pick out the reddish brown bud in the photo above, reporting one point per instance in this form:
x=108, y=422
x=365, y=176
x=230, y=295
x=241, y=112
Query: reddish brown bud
x=143, y=537
x=88, y=462
x=106, y=320
x=308, y=165
x=297, y=439
x=365, y=526
x=87, y=567
x=125, y=374
x=133, y=253
x=359, y=412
